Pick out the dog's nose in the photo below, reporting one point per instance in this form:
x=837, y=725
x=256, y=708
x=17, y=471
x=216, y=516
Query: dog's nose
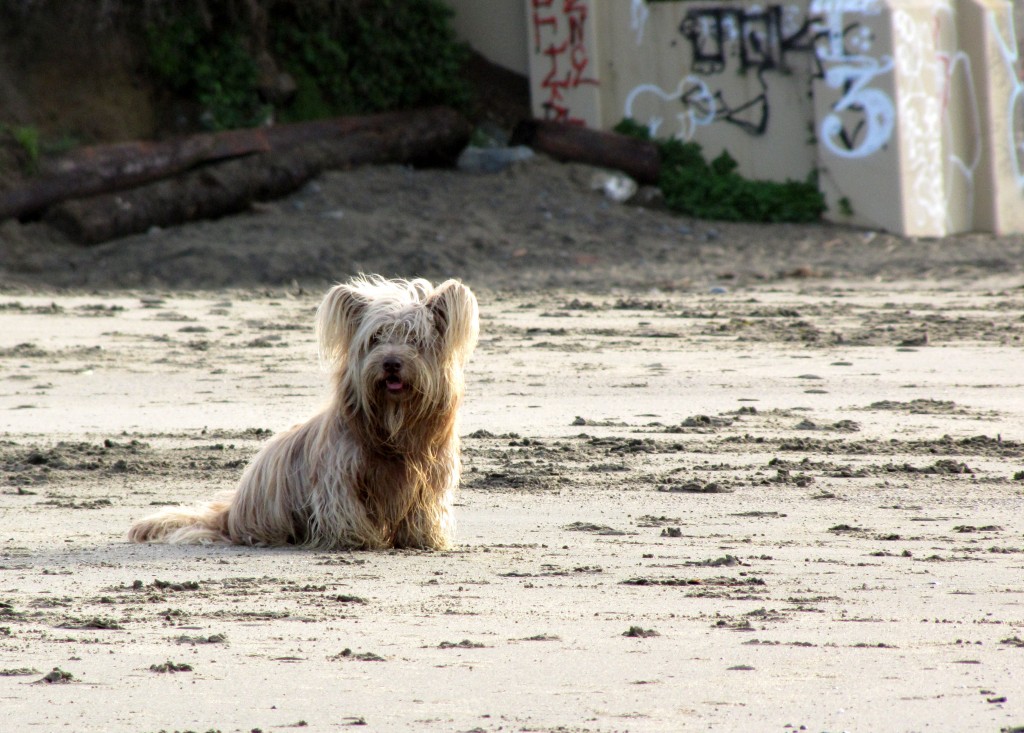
x=392, y=365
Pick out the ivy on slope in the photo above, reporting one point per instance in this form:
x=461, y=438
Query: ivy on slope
x=694, y=187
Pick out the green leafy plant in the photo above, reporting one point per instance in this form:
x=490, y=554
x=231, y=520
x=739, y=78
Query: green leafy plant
x=345, y=57
x=390, y=54
x=33, y=146
x=212, y=67
x=404, y=54
x=28, y=138
x=315, y=59
x=715, y=190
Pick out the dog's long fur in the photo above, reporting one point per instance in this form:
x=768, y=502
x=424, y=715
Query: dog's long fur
x=379, y=466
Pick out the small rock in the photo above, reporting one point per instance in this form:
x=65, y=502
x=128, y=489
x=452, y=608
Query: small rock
x=491, y=160
x=618, y=187
x=651, y=197
x=637, y=632
x=57, y=676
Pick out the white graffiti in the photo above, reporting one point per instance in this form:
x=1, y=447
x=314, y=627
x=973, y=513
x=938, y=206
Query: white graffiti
x=874, y=104
x=638, y=15
x=864, y=7
x=1003, y=31
x=920, y=110
x=792, y=19
x=832, y=12
x=963, y=132
x=699, y=106
x=853, y=74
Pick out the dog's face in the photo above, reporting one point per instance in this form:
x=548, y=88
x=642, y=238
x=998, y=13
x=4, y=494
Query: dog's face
x=398, y=347
x=398, y=359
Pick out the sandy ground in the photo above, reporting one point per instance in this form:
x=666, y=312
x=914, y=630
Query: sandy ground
x=769, y=479
x=812, y=523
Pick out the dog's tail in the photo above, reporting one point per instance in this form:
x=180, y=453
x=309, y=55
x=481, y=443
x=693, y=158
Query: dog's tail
x=203, y=524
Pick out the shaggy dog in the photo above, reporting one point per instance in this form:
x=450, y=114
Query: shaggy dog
x=379, y=467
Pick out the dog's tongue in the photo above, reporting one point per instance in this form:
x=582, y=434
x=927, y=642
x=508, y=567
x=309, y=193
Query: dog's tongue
x=394, y=384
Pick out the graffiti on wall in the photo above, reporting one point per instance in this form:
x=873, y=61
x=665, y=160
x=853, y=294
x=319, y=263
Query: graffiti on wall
x=924, y=90
x=755, y=41
x=920, y=118
x=699, y=107
x=861, y=121
x=638, y=15
x=964, y=130
x=760, y=40
x=559, y=35
x=1003, y=30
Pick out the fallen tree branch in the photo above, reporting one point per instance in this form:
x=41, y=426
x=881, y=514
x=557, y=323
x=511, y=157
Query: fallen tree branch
x=107, y=168
x=428, y=137
x=639, y=159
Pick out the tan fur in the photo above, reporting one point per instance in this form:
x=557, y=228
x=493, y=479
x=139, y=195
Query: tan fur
x=377, y=468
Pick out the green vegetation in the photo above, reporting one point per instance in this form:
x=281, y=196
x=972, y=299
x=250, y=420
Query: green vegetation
x=714, y=190
x=344, y=58
x=214, y=69
x=314, y=58
x=405, y=54
x=28, y=138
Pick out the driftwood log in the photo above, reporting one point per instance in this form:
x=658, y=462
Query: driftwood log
x=99, y=169
x=639, y=159
x=295, y=155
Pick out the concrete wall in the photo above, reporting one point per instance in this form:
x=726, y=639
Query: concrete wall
x=495, y=28
x=912, y=111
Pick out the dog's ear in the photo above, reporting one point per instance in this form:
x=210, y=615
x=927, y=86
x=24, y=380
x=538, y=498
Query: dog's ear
x=456, y=316
x=337, y=320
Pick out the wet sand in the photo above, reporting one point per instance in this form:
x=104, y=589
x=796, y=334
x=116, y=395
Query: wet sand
x=786, y=505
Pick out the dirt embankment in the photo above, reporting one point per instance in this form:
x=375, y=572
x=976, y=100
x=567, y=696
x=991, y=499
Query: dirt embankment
x=538, y=224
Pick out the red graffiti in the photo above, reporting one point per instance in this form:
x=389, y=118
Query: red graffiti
x=560, y=35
